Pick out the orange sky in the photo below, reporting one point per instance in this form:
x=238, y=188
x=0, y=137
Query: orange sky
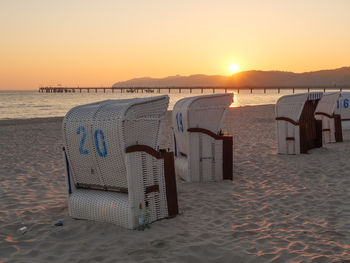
x=95, y=43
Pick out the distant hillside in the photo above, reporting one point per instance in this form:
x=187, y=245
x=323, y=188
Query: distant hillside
x=338, y=77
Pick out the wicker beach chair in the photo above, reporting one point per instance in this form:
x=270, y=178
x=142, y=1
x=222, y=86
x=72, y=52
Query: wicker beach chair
x=114, y=169
x=331, y=122
x=343, y=109
x=201, y=152
x=297, y=129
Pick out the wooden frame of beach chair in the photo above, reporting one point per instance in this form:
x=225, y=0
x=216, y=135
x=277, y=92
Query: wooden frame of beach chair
x=331, y=122
x=297, y=129
x=202, y=153
x=114, y=168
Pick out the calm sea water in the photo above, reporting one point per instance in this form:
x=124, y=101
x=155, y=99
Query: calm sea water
x=32, y=104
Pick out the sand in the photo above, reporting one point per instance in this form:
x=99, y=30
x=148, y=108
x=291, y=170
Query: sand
x=277, y=209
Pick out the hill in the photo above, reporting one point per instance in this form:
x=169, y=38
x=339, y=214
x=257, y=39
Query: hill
x=335, y=77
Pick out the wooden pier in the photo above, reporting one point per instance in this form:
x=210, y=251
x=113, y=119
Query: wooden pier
x=190, y=89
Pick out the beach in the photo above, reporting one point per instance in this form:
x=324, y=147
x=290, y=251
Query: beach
x=278, y=208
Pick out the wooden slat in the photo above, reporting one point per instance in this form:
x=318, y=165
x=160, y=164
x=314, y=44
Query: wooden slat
x=102, y=188
x=143, y=148
x=324, y=114
x=152, y=188
x=288, y=120
x=170, y=184
x=338, y=128
x=207, y=132
x=227, y=170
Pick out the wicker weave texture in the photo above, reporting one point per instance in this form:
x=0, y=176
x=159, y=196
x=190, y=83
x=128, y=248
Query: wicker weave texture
x=95, y=137
x=148, y=172
x=205, y=162
x=103, y=206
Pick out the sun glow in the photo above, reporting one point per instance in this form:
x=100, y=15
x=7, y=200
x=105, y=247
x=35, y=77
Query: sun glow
x=233, y=68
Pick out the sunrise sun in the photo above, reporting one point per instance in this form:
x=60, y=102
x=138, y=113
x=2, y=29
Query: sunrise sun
x=233, y=68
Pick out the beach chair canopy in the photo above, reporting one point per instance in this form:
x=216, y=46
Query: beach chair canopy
x=96, y=136
x=291, y=106
x=106, y=145
x=201, y=152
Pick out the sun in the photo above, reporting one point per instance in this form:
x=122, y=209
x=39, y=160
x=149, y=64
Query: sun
x=233, y=68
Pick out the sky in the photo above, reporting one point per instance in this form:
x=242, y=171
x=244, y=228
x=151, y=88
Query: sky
x=97, y=43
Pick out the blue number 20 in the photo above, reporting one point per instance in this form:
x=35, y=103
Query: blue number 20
x=104, y=153
x=82, y=141
x=98, y=133
x=180, y=127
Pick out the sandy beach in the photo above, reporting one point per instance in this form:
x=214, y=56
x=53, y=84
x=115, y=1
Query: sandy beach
x=277, y=209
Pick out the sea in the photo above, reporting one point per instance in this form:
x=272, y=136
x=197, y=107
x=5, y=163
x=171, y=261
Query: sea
x=26, y=104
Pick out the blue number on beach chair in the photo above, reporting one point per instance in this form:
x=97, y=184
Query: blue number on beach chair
x=104, y=153
x=180, y=127
x=82, y=141
x=177, y=121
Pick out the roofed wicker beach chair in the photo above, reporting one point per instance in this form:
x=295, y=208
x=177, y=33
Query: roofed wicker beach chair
x=202, y=153
x=331, y=122
x=115, y=171
x=297, y=129
x=344, y=110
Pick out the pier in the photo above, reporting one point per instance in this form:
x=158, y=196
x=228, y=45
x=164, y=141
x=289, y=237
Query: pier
x=188, y=89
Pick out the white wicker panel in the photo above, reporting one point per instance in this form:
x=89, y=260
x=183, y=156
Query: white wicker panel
x=292, y=147
x=281, y=142
x=107, y=148
x=286, y=129
x=145, y=170
x=328, y=129
x=205, y=162
x=195, y=153
x=142, y=132
x=182, y=168
x=77, y=136
x=206, y=159
x=163, y=203
x=101, y=206
x=218, y=160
